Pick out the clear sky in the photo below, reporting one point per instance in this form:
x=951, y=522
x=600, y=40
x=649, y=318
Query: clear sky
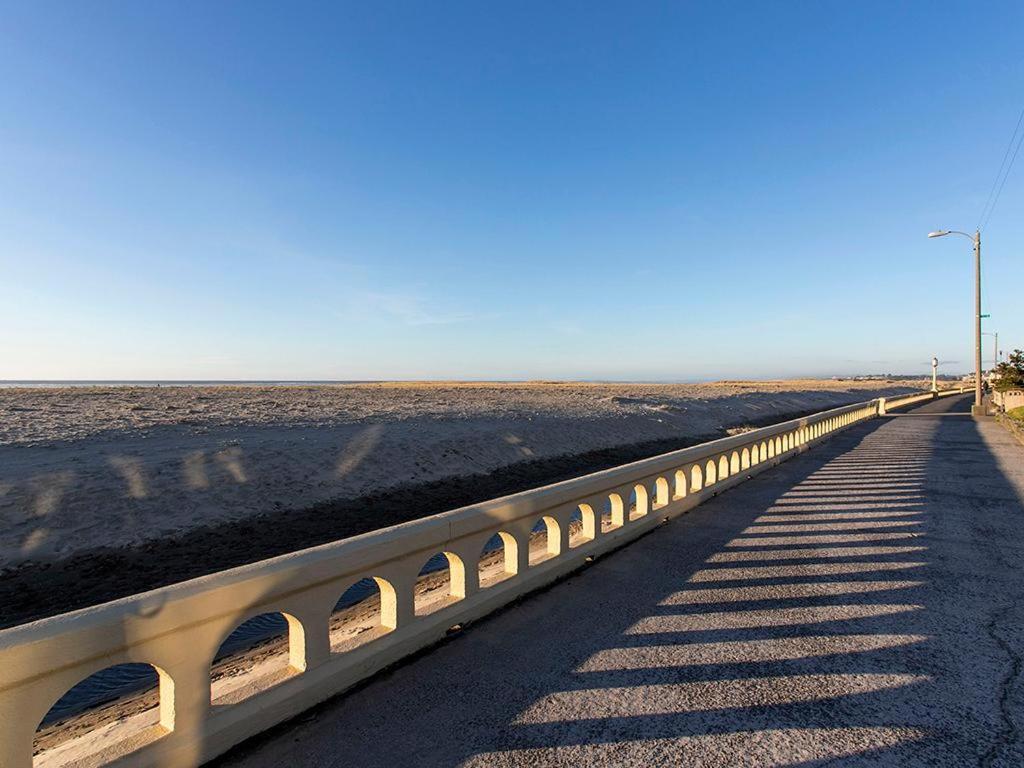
x=503, y=190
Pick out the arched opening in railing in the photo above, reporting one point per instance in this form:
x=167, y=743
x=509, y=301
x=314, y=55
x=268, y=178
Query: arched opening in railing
x=680, y=484
x=755, y=454
x=734, y=463
x=258, y=654
x=365, y=611
x=710, y=473
x=441, y=582
x=614, y=513
x=723, y=467
x=545, y=542
x=110, y=713
x=771, y=449
x=745, y=459
x=696, y=478
x=639, y=502
x=661, y=493
x=499, y=559
x=582, y=524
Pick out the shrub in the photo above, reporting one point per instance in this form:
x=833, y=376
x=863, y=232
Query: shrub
x=1011, y=373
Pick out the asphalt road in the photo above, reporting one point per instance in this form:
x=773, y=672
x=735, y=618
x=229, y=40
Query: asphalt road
x=859, y=605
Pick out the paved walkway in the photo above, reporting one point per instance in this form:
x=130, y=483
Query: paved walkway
x=859, y=605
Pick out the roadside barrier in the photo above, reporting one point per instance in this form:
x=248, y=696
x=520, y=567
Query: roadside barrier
x=496, y=552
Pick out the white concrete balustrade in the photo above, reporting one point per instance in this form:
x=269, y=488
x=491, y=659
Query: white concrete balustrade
x=178, y=629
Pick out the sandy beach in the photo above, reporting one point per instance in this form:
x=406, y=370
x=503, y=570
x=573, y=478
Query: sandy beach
x=106, y=491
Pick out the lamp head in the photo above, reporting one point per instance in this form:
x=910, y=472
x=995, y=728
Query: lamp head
x=939, y=233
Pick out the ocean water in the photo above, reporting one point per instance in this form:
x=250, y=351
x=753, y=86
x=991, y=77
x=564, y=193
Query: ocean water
x=52, y=383
x=48, y=383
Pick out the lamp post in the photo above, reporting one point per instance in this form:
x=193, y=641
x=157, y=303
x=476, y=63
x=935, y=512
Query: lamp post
x=995, y=347
x=977, y=409
x=935, y=374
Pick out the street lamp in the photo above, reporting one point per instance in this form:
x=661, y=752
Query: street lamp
x=995, y=351
x=977, y=409
x=935, y=374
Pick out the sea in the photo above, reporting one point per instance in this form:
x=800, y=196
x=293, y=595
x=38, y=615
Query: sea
x=49, y=383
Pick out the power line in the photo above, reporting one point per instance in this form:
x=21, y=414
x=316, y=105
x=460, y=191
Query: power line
x=1001, y=175
x=1003, y=183
x=1005, y=177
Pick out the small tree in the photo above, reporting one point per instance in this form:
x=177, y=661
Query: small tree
x=1011, y=373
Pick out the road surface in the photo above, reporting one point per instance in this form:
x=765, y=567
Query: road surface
x=858, y=605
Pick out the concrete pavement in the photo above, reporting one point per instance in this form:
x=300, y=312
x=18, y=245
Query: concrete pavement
x=859, y=605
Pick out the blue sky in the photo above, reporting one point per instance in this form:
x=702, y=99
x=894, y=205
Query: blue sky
x=517, y=190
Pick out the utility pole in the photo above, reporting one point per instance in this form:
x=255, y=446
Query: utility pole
x=978, y=409
x=995, y=342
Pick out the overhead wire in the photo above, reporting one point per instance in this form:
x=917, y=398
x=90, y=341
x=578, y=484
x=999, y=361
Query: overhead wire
x=1012, y=149
x=1016, y=139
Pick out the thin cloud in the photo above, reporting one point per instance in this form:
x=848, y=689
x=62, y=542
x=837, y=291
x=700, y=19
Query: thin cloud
x=413, y=310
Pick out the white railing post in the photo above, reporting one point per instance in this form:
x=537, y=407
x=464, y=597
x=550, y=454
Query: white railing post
x=405, y=601
x=191, y=706
x=471, y=573
x=16, y=735
x=563, y=536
